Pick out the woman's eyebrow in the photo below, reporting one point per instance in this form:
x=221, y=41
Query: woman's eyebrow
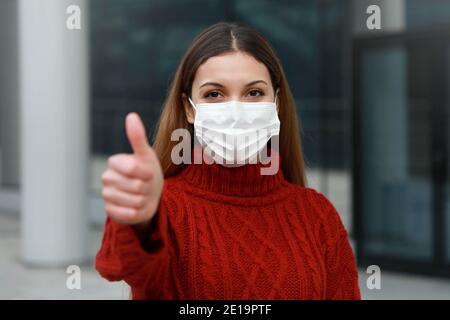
x=212, y=84
x=255, y=82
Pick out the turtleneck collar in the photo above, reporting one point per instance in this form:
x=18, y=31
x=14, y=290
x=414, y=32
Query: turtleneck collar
x=244, y=181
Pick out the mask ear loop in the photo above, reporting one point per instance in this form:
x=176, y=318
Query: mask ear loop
x=192, y=103
x=276, y=97
x=193, y=106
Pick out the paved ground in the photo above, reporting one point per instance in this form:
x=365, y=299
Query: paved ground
x=20, y=282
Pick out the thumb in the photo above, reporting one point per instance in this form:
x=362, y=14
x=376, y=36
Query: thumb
x=136, y=134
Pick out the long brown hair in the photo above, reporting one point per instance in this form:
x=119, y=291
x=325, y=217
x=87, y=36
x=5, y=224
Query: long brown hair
x=215, y=40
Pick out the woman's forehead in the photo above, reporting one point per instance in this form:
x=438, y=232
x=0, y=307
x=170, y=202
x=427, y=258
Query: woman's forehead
x=234, y=68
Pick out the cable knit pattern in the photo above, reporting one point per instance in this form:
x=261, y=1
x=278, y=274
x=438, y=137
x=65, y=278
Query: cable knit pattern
x=232, y=233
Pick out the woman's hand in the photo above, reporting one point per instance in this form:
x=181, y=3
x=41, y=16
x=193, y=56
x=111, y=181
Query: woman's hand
x=132, y=183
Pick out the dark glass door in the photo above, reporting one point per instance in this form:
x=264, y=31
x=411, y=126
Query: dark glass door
x=401, y=156
x=446, y=116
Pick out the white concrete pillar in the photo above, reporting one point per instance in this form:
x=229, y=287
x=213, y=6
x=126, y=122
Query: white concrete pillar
x=54, y=101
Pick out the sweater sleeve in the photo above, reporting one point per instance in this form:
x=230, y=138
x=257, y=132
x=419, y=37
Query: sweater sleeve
x=341, y=271
x=142, y=263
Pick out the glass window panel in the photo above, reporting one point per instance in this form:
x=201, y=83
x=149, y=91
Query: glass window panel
x=397, y=189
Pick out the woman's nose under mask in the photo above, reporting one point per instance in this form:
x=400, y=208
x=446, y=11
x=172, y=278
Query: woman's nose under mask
x=235, y=131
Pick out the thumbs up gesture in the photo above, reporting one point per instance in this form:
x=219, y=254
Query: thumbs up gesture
x=132, y=183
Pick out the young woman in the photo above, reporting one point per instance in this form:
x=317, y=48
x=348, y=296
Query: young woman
x=214, y=230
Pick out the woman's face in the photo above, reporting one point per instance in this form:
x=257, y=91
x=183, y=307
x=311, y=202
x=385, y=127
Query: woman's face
x=231, y=76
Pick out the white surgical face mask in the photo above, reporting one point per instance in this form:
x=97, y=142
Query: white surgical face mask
x=235, y=131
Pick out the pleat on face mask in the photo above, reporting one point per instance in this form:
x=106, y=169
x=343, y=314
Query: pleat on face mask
x=241, y=155
x=239, y=141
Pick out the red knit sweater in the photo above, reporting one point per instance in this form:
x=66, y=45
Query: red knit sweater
x=232, y=233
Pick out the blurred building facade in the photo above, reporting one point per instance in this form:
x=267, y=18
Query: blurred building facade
x=373, y=104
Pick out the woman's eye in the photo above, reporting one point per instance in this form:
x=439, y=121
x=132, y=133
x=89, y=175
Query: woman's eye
x=212, y=94
x=255, y=93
